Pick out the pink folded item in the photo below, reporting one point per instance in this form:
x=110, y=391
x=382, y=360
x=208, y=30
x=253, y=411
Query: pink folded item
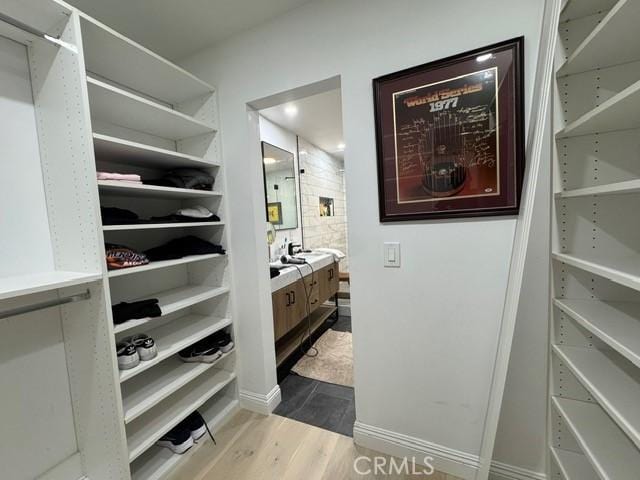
x=119, y=176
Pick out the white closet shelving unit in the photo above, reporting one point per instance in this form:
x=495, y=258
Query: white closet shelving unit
x=99, y=101
x=148, y=120
x=595, y=332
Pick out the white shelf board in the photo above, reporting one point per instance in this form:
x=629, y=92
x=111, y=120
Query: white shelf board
x=148, y=428
x=574, y=466
x=612, y=42
x=146, y=391
x=114, y=56
x=113, y=149
x=130, y=189
x=616, y=390
x=162, y=264
x=174, y=336
x=608, y=449
x=173, y=300
x=615, y=323
x=156, y=462
x=620, y=112
x=120, y=107
x=624, y=270
x=42, y=281
x=573, y=9
x=619, y=188
x=159, y=226
x=46, y=16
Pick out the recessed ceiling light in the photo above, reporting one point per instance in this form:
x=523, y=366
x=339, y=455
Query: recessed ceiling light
x=291, y=110
x=269, y=161
x=484, y=58
x=303, y=152
x=341, y=146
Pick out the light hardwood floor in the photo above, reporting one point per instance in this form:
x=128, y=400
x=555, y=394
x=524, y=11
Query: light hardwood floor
x=256, y=447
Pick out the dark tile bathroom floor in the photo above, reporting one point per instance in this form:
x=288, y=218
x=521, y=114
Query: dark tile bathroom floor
x=318, y=403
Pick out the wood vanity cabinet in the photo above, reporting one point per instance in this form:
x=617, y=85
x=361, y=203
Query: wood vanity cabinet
x=289, y=303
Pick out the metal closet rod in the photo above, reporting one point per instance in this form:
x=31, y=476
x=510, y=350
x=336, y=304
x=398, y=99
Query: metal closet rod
x=34, y=31
x=48, y=304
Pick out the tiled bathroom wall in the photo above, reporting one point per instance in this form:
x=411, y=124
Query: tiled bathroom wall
x=323, y=177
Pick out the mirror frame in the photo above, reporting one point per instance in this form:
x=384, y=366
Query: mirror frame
x=296, y=179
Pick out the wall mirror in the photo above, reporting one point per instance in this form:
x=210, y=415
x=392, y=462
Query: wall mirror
x=279, y=170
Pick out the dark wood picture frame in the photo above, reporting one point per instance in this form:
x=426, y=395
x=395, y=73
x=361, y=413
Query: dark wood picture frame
x=424, y=191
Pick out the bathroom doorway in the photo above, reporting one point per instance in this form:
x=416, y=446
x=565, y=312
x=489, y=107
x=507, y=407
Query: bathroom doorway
x=303, y=152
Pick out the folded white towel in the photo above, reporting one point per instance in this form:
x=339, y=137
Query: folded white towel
x=337, y=254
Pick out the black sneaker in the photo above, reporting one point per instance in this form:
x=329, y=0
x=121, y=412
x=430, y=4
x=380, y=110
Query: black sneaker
x=128, y=356
x=178, y=439
x=203, y=351
x=223, y=341
x=197, y=426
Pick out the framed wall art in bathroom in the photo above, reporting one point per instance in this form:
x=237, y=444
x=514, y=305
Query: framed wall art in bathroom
x=450, y=136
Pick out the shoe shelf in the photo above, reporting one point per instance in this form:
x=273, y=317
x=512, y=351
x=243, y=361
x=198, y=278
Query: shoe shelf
x=157, y=462
x=27, y=284
x=121, y=107
x=158, y=226
x=574, y=466
x=624, y=271
x=112, y=55
x=617, y=324
x=146, y=391
x=130, y=189
x=172, y=337
x=615, y=388
x=594, y=351
x=618, y=188
x=612, y=42
x=620, y=112
x=608, y=449
x=147, y=429
x=116, y=149
x=173, y=300
x=163, y=264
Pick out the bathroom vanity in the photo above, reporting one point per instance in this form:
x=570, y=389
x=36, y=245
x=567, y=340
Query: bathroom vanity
x=290, y=306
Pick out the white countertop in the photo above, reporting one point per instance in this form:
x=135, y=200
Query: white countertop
x=290, y=274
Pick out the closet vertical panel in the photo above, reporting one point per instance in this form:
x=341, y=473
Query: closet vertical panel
x=68, y=165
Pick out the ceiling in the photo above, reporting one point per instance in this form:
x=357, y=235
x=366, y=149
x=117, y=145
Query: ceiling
x=318, y=119
x=178, y=28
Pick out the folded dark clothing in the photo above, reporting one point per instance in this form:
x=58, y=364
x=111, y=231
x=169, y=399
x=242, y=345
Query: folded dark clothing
x=183, y=247
x=119, y=256
x=274, y=272
x=183, y=219
x=184, y=178
x=124, y=311
x=119, y=216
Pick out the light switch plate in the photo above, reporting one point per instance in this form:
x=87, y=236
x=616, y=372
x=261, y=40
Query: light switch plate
x=392, y=254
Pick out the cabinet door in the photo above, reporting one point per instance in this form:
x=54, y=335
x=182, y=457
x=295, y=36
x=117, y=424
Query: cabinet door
x=329, y=281
x=281, y=300
x=298, y=307
x=313, y=290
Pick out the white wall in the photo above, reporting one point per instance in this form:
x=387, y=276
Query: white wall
x=424, y=334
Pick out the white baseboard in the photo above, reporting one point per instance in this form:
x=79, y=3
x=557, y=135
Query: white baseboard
x=445, y=459
x=502, y=471
x=261, y=403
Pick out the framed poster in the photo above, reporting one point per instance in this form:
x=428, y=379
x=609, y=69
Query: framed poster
x=450, y=136
x=274, y=213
